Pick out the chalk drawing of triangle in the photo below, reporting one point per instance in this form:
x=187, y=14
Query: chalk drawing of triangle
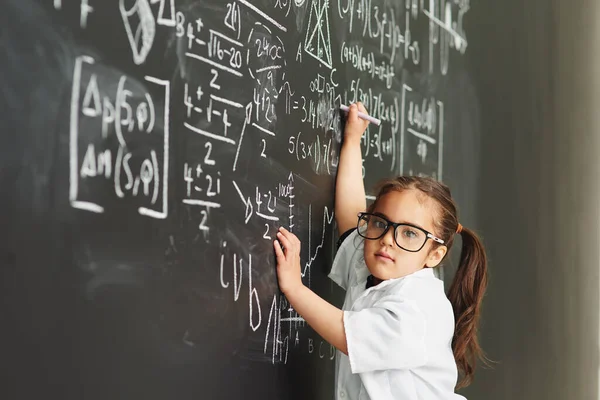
x=318, y=39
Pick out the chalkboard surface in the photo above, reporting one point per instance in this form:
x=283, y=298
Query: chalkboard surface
x=151, y=148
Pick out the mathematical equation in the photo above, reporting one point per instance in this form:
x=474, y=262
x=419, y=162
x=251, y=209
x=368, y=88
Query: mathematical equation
x=394, y=34
x=236, y=86
x=130, y=116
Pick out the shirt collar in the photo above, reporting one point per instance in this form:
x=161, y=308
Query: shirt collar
x=425, y=272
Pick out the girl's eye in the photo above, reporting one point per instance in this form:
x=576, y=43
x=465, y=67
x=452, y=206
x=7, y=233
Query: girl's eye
x=379, y=224
x=409, y=233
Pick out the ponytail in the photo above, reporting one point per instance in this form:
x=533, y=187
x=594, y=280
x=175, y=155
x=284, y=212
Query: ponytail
x=465, y=295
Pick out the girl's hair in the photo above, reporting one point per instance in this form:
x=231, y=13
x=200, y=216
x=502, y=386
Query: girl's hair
x=470, y=281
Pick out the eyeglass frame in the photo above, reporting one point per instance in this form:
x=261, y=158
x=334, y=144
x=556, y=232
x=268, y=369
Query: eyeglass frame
x=428, y=235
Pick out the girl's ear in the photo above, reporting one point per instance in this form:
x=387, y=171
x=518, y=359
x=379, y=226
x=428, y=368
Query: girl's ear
x=436, y=256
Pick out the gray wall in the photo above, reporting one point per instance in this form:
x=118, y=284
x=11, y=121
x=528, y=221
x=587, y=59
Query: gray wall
x=538, y=72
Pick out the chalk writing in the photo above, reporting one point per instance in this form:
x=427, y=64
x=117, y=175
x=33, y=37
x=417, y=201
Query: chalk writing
x=422, y=134
x=140, y=26
x=318, y=38
x=256, y=127
x=124, y=115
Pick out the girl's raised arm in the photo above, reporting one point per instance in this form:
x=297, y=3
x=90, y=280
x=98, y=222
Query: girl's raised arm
x=350, y=189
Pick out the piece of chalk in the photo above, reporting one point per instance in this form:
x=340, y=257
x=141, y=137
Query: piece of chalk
x=362, y=115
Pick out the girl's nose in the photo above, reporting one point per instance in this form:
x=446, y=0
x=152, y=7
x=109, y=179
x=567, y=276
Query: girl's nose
x=388, y=238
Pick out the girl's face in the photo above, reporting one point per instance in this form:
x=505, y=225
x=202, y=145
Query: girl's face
x=384, y=258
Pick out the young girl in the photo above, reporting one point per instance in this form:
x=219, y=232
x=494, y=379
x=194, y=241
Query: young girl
x=399, y=337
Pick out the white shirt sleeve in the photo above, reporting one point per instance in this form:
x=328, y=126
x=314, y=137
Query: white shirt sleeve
x=389, y=335
x=350, y=250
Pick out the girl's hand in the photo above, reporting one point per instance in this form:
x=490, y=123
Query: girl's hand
x=355, y=126
x=288, y=261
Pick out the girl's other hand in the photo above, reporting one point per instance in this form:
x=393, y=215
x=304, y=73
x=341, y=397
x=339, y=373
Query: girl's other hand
x=287, y=250
x=355, y=126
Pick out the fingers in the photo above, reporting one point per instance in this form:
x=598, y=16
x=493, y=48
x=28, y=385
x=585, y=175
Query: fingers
x=355, y=126
x=356, y=107
x=288, y=240
x=361, y=108
x=285, y=242
x=353, y=113
x=353, y=117
x=278, y=250
x=291, y=238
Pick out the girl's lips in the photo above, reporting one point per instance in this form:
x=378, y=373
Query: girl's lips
x=385, y=256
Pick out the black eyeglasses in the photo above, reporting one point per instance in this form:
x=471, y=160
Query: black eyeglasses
x=407, y=236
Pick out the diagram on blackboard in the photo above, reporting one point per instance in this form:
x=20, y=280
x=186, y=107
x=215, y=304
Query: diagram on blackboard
x=166, y=18
x=140, y=27
x=318, y=39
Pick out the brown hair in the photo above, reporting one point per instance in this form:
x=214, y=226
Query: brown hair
x=470, y=281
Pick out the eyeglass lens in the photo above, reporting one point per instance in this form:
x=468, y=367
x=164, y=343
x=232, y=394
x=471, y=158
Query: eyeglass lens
x=373, y=227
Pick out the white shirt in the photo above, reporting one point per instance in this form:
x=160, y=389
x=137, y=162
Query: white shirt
x=399, y=333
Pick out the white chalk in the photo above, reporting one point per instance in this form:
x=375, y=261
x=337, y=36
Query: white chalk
x=362, y=115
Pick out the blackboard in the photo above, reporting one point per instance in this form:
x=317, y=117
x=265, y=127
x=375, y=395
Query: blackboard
x=149, y=151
